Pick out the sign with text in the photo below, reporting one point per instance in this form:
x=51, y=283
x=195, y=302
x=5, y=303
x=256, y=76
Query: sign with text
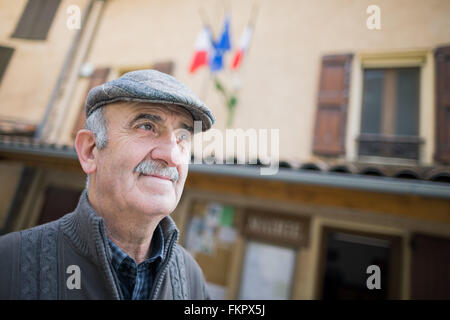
x=274, y=227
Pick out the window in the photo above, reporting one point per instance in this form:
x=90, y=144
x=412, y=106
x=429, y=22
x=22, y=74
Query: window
x=390, y=113
x=5, y=56
x=36, y=19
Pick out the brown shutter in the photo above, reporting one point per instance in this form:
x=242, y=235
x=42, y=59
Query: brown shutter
x=331, y=116
x=5, y=56
x=442, y=58
x=99, y=76
x=166, y=67
x=430, y=274
x=36, y=19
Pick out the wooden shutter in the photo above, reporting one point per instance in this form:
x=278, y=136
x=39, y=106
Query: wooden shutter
x=36, y=19
x=430, y=274
x=99, y=76
x=166, y=67
x=5, y=56
x=329, y=132
x=442, y=58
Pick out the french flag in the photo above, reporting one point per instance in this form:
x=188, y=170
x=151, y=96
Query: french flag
x=244, y=43
x=221, y=46
x=202, y=50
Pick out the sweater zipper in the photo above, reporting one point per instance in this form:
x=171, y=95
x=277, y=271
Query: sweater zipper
x=159, y=278
x=108, y=265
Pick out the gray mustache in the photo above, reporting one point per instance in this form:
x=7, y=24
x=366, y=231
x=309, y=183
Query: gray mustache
x=157, y=168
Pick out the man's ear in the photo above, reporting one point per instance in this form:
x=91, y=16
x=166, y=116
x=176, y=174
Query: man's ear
x=85, y=146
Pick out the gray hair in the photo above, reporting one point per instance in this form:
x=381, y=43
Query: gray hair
x=96, y=122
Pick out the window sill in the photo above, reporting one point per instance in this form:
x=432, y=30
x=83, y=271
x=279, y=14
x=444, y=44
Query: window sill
x=383, y=146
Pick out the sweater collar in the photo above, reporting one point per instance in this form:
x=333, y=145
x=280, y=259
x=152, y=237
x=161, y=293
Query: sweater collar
x=87, y=231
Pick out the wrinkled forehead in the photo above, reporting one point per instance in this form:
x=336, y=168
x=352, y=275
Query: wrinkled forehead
x=163, y=110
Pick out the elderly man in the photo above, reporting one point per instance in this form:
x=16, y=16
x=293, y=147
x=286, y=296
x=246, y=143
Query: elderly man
x=120, y=242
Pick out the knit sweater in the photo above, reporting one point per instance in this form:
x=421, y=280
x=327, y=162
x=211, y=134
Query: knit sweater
x=41, y=262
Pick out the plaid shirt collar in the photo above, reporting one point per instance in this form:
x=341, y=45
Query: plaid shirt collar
x=135, y=280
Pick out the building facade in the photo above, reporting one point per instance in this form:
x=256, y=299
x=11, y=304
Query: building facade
x=362, y=113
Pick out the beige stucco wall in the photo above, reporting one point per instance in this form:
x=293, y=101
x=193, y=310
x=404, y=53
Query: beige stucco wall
x=280, y=74
x=35, y=65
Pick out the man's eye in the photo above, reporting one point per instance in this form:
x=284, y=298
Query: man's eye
x=184, y=136
x=146, y=126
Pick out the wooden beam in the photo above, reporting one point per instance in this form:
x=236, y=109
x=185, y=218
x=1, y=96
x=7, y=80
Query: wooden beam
x=33, y=160
x=411, y=206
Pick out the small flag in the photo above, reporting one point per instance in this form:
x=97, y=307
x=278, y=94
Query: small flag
x=244, y=43
x=220, y=47
x=202, y=49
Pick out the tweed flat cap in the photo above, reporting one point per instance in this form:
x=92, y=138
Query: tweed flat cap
x=149, y=86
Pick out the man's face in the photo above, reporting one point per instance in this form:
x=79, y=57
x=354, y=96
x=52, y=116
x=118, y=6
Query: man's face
x=138, y=133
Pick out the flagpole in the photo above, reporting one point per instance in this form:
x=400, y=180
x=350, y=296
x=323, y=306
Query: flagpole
x=254, y=13
x=251, y=22
x=205, y=20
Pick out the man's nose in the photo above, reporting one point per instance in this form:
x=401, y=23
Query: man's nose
x=167, y=150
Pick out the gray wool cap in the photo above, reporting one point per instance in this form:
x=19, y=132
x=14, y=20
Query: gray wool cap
x=149, y=86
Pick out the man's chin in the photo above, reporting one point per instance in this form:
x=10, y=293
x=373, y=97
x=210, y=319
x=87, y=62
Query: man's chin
x=155, y=204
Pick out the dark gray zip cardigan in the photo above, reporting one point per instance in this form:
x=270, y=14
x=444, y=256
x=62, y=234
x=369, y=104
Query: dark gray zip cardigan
x=34, y=262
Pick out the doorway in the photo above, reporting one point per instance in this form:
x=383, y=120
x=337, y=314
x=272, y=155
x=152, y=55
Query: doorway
x=345, y=260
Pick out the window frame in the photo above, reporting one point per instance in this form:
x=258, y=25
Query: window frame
x=423, y=59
